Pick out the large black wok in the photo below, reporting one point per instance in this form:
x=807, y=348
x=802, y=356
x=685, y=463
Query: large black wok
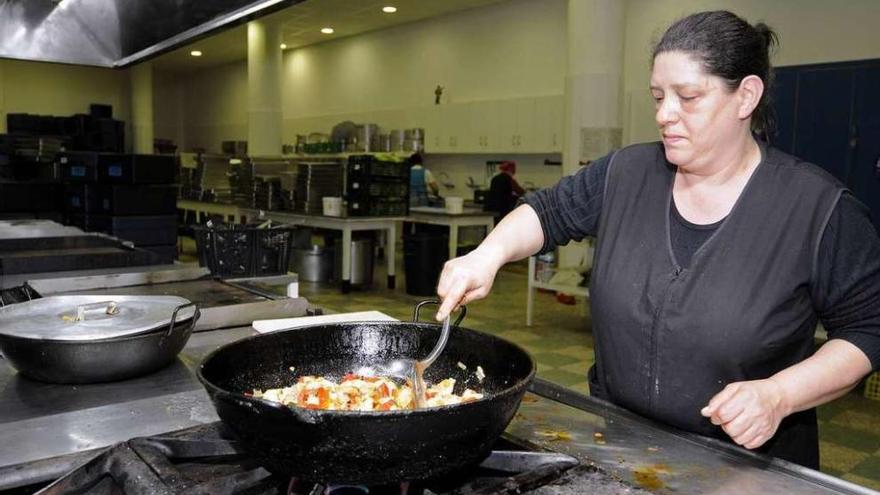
x=365, y=447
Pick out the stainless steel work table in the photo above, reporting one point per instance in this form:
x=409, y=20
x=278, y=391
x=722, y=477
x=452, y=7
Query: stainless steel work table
x=346, y=225
x=470, y=217
x=41, y=421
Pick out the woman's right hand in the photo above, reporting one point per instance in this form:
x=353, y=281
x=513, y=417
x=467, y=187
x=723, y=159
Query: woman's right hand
x=467, y=278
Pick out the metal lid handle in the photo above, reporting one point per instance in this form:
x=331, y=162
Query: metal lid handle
x=109, y=307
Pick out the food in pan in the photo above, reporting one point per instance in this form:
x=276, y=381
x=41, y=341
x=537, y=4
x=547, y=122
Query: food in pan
x=361, y=393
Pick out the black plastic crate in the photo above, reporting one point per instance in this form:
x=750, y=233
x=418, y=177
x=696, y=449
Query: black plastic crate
x=78, y=166
x=36, y=170
x=149, y=230
x=101, y=111
x=80, y=198
x=378, y=207
x=142, y=199
x=370, y=166
x=243, y=250
x=377, y=186
x=29, y=197
x=137, y=169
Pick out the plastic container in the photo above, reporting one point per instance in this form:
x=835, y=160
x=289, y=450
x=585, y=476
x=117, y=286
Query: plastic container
x=243, y=251
x=332, y=206
x=424, y=254
x=454, y=204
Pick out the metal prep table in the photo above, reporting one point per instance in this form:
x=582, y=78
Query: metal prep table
x=439, y=216
x=49, y=429
x=201, y=209
x=346, y=225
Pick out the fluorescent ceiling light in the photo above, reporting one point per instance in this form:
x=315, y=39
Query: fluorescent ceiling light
x=327, y=30
x=196, y=53
x=283, y=46
x=389, y=9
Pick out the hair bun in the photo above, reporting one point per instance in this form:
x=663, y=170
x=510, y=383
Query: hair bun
x=771, y=40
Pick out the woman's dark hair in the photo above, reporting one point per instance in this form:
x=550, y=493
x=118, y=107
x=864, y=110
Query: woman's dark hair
x=730, y=48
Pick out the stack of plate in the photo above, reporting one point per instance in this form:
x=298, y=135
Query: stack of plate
x=315, y=180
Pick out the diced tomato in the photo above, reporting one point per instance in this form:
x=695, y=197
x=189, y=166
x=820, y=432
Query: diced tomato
x=349, y=377
x=323, y=398
x=384, y=391
x=385, y=406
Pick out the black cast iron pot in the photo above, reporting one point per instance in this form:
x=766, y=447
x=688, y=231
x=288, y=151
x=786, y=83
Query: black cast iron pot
x=365, y=447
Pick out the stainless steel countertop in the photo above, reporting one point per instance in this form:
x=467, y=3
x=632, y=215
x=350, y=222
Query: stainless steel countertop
x=39, y=421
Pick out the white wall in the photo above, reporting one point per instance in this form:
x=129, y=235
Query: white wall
x=215, y=106
x=62, y=90
x=505, y=50
x=810, y=31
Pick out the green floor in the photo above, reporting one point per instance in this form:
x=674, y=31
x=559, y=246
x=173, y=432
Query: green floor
x=561, y=342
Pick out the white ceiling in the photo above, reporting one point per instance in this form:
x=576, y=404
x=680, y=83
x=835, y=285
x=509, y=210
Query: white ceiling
x=302, y=23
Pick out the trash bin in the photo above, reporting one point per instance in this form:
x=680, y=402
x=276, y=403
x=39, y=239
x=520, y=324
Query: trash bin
x=362, y=262
x=423, y=256
x=315, y=263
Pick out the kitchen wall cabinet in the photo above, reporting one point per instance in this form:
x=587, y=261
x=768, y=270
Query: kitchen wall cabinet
x=516, y=125
x=520, y=125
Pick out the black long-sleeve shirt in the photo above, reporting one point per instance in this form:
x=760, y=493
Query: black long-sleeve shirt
x=846, y=289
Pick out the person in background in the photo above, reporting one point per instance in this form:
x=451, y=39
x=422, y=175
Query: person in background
x=422, y=184
x=716, y=256
x=504, y=191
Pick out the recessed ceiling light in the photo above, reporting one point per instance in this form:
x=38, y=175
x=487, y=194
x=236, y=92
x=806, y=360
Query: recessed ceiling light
x=284, y=46
x=196, y=53
x=327, y=30
x=389, y=9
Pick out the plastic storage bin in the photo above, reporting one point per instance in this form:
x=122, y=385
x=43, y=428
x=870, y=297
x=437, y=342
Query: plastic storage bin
x=424, y=254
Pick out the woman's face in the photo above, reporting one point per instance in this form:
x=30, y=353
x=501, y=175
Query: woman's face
x=697, y=115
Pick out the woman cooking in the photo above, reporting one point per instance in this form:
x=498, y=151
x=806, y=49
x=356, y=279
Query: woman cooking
x=716, y=255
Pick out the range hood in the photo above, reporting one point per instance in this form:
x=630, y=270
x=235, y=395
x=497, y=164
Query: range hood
x=116, y=33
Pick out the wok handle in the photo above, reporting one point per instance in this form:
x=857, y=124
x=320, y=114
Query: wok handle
x=195, y=317
x=109, y=307
x=461, y=315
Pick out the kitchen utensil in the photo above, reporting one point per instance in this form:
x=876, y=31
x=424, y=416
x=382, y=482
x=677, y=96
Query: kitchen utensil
x=366, y=447
x=410, y=369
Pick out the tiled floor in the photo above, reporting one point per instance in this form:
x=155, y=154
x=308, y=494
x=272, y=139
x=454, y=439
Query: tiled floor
x=562, y=344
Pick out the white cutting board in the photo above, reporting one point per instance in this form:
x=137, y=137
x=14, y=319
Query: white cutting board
x=266, y=326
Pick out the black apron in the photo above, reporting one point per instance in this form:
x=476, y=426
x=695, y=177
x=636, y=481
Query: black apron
x=668, y=339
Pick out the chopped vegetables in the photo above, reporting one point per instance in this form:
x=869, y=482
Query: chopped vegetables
x=361, y=393
x=480, y=374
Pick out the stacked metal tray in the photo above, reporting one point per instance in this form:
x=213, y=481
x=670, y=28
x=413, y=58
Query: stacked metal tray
x=314, y=181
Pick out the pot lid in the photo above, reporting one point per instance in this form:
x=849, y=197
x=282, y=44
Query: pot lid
x=91, y=317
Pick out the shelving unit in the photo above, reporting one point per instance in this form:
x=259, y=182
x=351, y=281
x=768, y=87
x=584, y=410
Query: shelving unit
x=534, y=284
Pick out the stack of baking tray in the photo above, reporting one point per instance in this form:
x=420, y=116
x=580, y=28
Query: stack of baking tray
x=210, y=181
x=314, y=181
x=267, y=193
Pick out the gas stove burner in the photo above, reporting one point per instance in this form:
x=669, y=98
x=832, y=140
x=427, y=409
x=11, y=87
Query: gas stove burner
x=206, y=459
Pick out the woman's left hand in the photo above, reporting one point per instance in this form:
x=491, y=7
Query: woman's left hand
x=750, y=412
